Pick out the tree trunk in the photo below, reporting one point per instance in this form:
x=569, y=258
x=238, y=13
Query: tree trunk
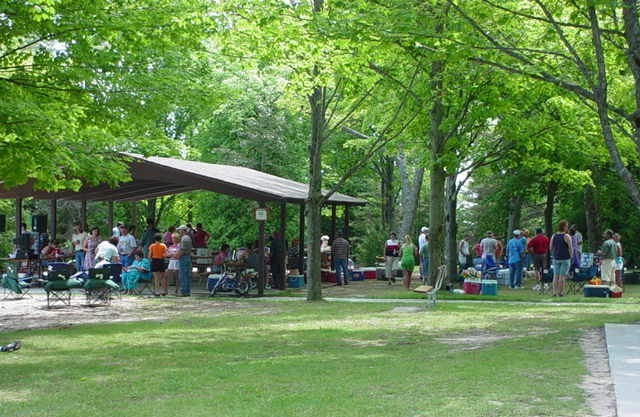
x=410, y=194
x=591, y=215
x=451, y=227
x=314, y=201
x=600, y=89
x=632, y=36
x=152, y=203
x=385, y=169
x=438, y=174
x=552, y=188
x=515, y=212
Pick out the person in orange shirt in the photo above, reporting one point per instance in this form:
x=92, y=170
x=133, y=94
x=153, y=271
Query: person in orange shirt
x=157, y=254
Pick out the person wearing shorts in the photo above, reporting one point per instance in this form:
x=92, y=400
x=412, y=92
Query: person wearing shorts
x=561, y=251
x=157, y=254
x=538, y=247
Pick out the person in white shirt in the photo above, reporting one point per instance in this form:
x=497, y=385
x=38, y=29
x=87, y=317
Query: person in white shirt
x=126, y=245
x=423, y=240
x=78, y=237
x=391, y=256
x=107, y=251
x=464, y=252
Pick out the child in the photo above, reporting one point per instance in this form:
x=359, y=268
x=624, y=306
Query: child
x=157, y=253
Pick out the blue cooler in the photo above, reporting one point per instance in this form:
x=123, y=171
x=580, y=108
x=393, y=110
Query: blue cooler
x=489, y=287
x=212, y=280
x=357, y=275
x=601, y=291
x=295, y=281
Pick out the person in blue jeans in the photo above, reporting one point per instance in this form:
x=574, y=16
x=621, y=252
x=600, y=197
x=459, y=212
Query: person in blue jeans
x=515, y=256
x=184, y=261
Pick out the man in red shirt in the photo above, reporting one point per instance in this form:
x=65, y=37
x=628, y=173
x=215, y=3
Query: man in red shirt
x=538, y=248
x=200, y=237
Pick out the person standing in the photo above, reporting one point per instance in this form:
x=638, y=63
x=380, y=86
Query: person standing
x=148, y=236
x=184, y=256
x=167, y=238
x=608, y=251
x=619, y=262
x=561, y=252
x=200, y=237
x=126, y=245
x=489, y=246
x=464, y=252
x=78, y=239
x=340, y=256
x=423, y=252
x=173, y=269
x=408, y=255
x=391, y=253
x=538, y=247
x=578, y=238
x=90, y=244
x=116, y=229
x=157, y=253
x=515, y=256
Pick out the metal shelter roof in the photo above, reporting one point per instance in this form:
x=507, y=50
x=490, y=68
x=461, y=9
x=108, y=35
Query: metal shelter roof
x=156, y=177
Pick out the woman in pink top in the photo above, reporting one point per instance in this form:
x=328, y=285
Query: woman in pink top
x=174, y=266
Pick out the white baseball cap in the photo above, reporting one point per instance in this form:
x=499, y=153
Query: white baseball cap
x=424, y=229
x=517, y=232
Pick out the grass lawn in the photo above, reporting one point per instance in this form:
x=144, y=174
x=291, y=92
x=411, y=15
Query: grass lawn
x=380, y=289
x=319, y=359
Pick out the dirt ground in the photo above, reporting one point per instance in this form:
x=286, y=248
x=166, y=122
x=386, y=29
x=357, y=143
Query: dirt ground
x=32, y=312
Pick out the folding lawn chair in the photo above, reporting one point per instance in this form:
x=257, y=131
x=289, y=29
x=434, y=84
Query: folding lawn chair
x=581, y=275
x=145, y=283
x=99, y=286
x=12, y=285
x=57, y=288
x=432, y=292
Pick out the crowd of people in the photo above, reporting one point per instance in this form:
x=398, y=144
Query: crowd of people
x=560, y=253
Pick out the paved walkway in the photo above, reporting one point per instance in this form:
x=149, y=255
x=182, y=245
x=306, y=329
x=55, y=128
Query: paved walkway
x=623, y=345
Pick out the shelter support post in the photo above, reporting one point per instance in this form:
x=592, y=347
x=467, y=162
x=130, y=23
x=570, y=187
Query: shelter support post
x=333, y=222
x=301, y=240
x=283, y=240
x=18, y=217
x=83, y=214
x=261, y=263
x=53, y=216
x=109, y=218
x=134, y=214
x=345, y=230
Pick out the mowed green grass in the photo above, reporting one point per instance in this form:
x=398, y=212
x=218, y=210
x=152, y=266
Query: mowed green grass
x=311, y=359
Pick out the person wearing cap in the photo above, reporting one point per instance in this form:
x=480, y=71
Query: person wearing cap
x=515, y=256
x=184, y=261
x=423, y=251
